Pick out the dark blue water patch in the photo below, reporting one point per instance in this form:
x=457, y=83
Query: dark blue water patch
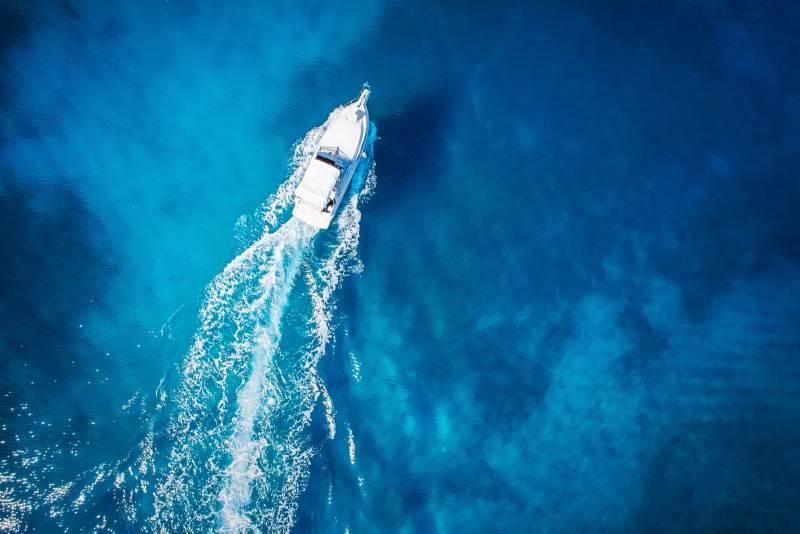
x=381, y=58
x=55, y=267
x=16, y=27
x=70, y=10
x=506, y=384
x=725, y=476
x=409, y=151
x=688, y=201
x=56, y=264
x=705, y=251
x=647, y=344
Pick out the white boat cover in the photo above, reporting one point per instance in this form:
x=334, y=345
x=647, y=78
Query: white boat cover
x=334, y=163
x=344, y=133
x=317, y=184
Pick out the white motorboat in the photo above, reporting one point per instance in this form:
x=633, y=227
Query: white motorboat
x=327, y=177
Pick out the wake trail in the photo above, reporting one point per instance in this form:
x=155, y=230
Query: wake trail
x=228, y=447
x=222, y=378
x=239, y=453
x=258, y=393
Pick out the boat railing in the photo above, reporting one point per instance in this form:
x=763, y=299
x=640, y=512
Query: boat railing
x=332, y=150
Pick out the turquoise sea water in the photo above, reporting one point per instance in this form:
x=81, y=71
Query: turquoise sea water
x=564, y=294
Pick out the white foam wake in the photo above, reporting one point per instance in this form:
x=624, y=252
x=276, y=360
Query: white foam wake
x=283, y=481
x=259, y=392
x=283, y=453
x=240, y=451
x=235, y=322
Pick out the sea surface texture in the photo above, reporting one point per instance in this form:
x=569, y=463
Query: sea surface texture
x=562, y=294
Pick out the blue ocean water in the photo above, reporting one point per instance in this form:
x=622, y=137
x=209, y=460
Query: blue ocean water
x=563, y=295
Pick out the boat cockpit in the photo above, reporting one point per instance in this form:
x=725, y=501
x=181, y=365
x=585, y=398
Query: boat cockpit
x=332, y=156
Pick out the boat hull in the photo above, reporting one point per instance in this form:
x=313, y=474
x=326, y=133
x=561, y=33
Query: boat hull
x=341, y=146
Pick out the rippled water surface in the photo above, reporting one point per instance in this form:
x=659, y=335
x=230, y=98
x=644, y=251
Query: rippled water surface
x=562, y=295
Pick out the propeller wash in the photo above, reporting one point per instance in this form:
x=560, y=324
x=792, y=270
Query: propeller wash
x=239, y=448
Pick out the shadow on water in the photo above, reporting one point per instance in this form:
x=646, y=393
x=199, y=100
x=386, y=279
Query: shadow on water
x=408, y=151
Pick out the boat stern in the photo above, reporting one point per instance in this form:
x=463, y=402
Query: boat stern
x=310, y=215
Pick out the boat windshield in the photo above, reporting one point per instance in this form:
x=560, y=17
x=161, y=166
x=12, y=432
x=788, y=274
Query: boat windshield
x=325, y=159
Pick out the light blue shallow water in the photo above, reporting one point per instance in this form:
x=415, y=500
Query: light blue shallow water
x=564, y=294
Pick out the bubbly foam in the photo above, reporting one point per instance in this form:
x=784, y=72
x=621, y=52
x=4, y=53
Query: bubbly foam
x=283, y=465
x=205, y=431
x=240, y=450
x=288, y=245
